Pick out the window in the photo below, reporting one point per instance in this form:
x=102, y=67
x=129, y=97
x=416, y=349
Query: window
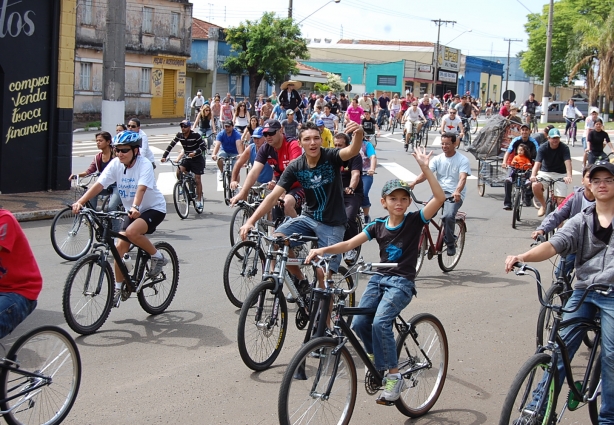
x=87, y=12
x=148, y=20
x=175, y=24
x=85, y=79
x=145, y=79
x=386, y=80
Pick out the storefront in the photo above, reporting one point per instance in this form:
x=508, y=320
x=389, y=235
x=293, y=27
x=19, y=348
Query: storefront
x=448, y=66
x=36, y=94
x=168, y=87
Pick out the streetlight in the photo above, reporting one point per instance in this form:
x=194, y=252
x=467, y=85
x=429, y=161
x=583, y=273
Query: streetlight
x=318, y=9
x=469, y=30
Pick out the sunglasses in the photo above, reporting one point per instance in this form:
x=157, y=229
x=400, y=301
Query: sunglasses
x=227, y=126
x=124, y=150
x=269, y=133
x=184, y=126
x=132, y=126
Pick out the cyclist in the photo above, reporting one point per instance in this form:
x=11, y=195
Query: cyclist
x=597, y=139
x=389, y=293
x=532, y=145
x=395, y=106
x=290, y=98
x=369, y=124
x=369, y=164
x=405, y=104
x=465, y=109
x=365, y=103
x=146, y=206
x=334, y=106
x=330, y=120
x=258, y=104
x=553, y=161
x=542, y=136
x=383, y=101
x=194, y=148
x=344, y=104
x=451, y=123
x=216, y=111
x=569, y=113
x=279, y=111
x=353, y=113
x=588, y=234
x=241, y=117
x=277, y=153
x=529, y=108
x=205, y=123
x=505, y=109
x=427, y=110
x=451, y=169
x=134, y=125
x=290, y=126
x=489, y=108
x=249, y=155
x=413, y=117
x=589, y=125
x=228, y=143
x=20, y=278
x=325, y=134
x=249, y=130
x=198, y=102
x=120, y=127
x=266, y=111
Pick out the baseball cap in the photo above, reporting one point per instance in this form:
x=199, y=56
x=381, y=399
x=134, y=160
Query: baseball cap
x=549, y=127
x=554, y=132
x=185, y=123
x=319, y=123
x=257, y=133
x=228, y=122
x=392, y=185
x=271, y=125
x=290, y=112
x=525, y=126
x=602, y=166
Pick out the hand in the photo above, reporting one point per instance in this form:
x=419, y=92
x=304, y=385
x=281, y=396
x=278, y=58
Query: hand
x=567, y=180
x=370, y=172
x=191, y=154
x=72, y=176
x=537, y=233
x=504, y=165
x=510, y=261
x=271, y=185
x=313, y=253
x=214, y=157
x=234, y=185
x=348, y=191
x=133, y=213
x=457, y=196
x=244, y=230
x=422, y=158
x=412, y=185
x=76, y=207
x=238, y=197
x=351, y=127
x=162, y=159
x=533, y=179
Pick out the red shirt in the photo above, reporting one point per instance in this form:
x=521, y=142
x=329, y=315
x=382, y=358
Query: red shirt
x=504, y=112
x=19, y=272
x=279, y=158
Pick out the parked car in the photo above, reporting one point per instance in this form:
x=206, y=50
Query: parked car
x=555, y=110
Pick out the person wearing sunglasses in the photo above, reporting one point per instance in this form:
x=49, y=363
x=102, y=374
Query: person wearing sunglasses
x=134, y=125
x=249, y=156
x=192, y=160
x=205, y=123
x=451, y=123
x=146, y=206
x=228, y=143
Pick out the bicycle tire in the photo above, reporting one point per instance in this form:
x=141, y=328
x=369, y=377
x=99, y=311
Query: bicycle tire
x=296, y=403
x=545, y=316
x=240, y=271
x=236, y=224
x=260, y=341
x=86, y=311
x=594, y=379
x=51, y=351
x=181, y=200
x=227, y=189
x=516, y=206
x=532, y=370
x=426, y=138
x=429, y=358
x=474, y=124
x=422, y=251
x=447, y=262
x=157, y=294
x=358, y=249
x=71, y=234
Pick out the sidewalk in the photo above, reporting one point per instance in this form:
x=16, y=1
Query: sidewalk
x=145, y=122
x=36, y=205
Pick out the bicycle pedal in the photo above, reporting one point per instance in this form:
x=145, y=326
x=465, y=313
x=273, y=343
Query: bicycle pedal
x=384, y=402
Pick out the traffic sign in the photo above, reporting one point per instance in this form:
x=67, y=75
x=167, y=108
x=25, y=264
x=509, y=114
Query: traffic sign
x=509, y=95
x=348, y=87
x=349, y=80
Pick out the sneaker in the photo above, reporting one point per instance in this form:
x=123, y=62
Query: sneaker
x=451, y=250
x=219, y=176
x=156, y=265
x=507, y=207
x=350, y=256
x=117, y=297
x=199, y=205
x=303, y=287
x=541, y=212
x=392, y=388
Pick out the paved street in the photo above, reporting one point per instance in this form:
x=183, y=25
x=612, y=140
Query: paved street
x=183, y=366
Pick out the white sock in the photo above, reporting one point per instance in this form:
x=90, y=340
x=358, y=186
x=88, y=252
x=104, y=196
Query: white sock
x=158, y=254
x=118, y=285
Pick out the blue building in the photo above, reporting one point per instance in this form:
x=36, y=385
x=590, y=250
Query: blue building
x=482, y=78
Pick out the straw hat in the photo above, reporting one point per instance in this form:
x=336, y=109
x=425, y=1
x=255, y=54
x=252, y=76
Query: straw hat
x=297, y=84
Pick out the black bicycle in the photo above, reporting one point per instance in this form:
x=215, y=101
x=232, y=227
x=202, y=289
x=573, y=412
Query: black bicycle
x=227, y=178
x=519, y=192
x=184, y=191
x=40, y=377
x=533, y=395
x=88, y=292
x=320, y=383
x=245, y=209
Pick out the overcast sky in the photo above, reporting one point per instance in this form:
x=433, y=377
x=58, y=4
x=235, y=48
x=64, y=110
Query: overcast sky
x=490, y=21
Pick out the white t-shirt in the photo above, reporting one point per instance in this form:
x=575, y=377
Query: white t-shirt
x=447, y=170
x=140, y=174
x=451, y=125
x=413, y=116
x=571, y=112
x=589, y=125
x=145, y=151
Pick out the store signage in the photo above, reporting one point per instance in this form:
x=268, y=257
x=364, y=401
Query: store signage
x=448, y=77
x=449, y=59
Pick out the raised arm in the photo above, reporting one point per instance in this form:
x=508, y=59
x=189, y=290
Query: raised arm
x=357, y=137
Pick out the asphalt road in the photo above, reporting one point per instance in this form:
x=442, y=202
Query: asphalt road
x=183, y=366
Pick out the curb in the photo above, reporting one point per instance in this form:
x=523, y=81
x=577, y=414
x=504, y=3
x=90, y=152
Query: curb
x=36, y=215
x=162, y=124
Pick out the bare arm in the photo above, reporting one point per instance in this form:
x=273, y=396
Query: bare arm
x=91, y=192
x=568, y=178
x=536, y=254
x=439, y=196
x=249, y=182
x=266, y=206
x=338, y=248
x=459, y=188
x=241, y=161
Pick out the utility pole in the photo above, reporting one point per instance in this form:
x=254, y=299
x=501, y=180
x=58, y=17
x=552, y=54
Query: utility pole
x=114, y=65
x=290, y=9
x=509, y=46
x=545, y=94
x=439, y=23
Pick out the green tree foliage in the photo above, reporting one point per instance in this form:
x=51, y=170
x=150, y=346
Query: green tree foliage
x=334, y=82
x=266, y=49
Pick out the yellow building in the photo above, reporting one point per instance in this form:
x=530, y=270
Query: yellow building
x=168, y=86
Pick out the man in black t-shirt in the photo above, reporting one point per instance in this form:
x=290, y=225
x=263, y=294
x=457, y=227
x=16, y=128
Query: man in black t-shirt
x=383, y=102
x=369, y=124
x=553, y=162
x=530, y=107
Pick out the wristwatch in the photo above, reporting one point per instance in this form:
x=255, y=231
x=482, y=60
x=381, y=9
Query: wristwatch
x=136, y=207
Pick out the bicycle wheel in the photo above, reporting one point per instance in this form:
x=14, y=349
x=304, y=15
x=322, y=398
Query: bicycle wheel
x=426, y=137
x=448, y=262
x=51, y=352
x=517, y=407
x=227, y=189
x=181, y=200
x=238, y=219
x=423, y=363
x=71, y=235
x=422, y=252
x=88, y=294
x=554, y=295
x=594, y=380
x=263, y=322
x=243, y=269
x=157, y=294
x=474, y=124
x=306, y=401
x=516, y=206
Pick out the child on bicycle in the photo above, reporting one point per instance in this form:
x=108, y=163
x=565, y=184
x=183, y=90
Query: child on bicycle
x=398, y=235
x=521, y=161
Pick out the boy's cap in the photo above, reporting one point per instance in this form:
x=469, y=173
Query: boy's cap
x=290, y=112
x=602, y=166
x=319, y=123
x=554, y=132
x=392, y=185
x=257, y=133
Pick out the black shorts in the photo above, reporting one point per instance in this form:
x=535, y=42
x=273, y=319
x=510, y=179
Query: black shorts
x=152, y=217
x=195, y=164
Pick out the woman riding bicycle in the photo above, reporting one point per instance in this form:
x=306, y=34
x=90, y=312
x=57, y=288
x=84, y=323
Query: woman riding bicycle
x=206, y=124
x=595, y=142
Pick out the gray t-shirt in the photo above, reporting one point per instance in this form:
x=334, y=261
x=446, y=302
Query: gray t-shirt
x=447, y=170
x=290, y=128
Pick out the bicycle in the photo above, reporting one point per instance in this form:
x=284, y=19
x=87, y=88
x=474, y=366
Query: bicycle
x=244, y=210
x=319, y=385
x=40, y=377
x=88, y=292
x=263, y=317
x=473, y=124
x=549, y=196
x=227, y=178
x=394, y=122
x=71, y=234
x=424, y=133
x=467, y=132
x=411, y=138
x=519, y=192
x=533, y=122
x=436, y=121
x=538, y=377
x=571, y=133
x=184, y=191
x=428, y=248
x=372, y=138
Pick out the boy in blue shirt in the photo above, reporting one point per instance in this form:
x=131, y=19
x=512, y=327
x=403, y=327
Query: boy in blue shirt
x=398, y=236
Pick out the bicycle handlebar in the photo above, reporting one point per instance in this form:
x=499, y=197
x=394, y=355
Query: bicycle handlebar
x=323, y=262
x=450, y=198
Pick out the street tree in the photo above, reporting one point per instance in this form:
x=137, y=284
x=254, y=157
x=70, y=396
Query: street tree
x=266, y=49
x=334, y=83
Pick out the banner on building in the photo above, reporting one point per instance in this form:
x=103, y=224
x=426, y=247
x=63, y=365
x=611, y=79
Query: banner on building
x=448, y=77
x=449, y=58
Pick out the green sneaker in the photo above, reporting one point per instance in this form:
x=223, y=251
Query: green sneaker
x=392, y=388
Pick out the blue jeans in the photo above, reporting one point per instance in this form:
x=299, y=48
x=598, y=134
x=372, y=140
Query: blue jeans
x=114, y=202
x=450, y=208
x=388, y=296
x=566, y=264
x=327, y=235
x=14, y=308
x=380, y=115
x=367, y=182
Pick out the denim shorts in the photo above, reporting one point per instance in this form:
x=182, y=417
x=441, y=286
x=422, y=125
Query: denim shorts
x=327, y=235
x=14, y=308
